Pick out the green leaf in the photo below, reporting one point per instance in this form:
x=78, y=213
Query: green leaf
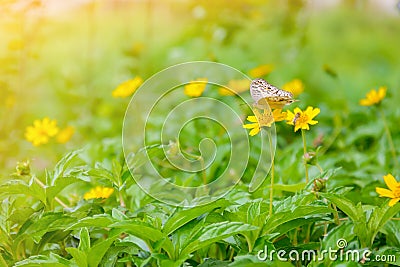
x=51, y=237
x=46, y=261
x=99, y=249
x=213, y=233
x=100, y=220
x=118, y=215
x=145, y=231
x=280, y=218
x=84, y=240
x=3, y=263
x=391, y=230
x=294, y=188
x=182, y=217
x=79, y=256
x=391, y=254
x=347, y=206
x=63, y=164
x=378, y=218
x=59, y=185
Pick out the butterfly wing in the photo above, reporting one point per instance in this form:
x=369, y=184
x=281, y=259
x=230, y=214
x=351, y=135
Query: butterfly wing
x=265, y=94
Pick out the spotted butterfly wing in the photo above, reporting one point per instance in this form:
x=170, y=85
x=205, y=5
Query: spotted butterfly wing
x=265, y=94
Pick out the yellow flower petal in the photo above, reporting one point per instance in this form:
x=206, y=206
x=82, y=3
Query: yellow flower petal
x=254, y=131
x=195, y=88
x=261, y=70
x=250, y=126
x=391, y=182
x=235, y=87
x=127, y=88
x=393, y=201
x=383, y=192
x=65, y=134
x=252, y=119
x=374, y=97
x=98, y=192
x=295, y=86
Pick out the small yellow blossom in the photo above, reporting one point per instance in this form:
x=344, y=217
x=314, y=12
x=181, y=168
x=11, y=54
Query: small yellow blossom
x=235, y=86
x=296, y=87
x=195, y=88
x=41, y=131
x=261, y=70
x=263, y=119
x=393, y=193
x=99, y=192
x=302, y=119
x=374, y=97
x=16, y=44
x=65, y=134
x=127, y=88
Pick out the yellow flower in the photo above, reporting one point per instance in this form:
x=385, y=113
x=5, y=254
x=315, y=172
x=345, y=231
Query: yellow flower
x=295, y=86
x=374, y=97
x=393, y=193
x=65, y=134
x=261, y=70
x=235, y=86
x=16, y=44
x=98, y=192
x=41, y=131
x=302, y=119
x=195, y=88
x=263, y=119
x=127, y=88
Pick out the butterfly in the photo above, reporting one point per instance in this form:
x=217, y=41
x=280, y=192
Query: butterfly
x=265, y=94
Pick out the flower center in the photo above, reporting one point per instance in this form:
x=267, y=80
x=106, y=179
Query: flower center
x=396, y=192
x=302, y=119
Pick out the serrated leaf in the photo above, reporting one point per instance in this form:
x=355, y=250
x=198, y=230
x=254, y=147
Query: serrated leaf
x=346, y=205
x=63, y=164
x=278, y=219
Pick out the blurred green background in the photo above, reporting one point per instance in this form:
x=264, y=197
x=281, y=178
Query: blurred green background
x=62, y=59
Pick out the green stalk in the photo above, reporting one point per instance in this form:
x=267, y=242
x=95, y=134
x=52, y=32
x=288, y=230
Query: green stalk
x=389, y=137
x=271, y=192
x=303, y=135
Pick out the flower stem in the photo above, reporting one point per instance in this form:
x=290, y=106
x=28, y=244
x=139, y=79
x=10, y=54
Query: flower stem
x=271, y=192
x=55, y=198
x=303, y=135
x=390, y=140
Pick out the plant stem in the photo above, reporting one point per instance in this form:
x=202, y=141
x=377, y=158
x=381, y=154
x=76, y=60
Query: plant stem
x=336, y=215
x=319, y=168
x=390, y=140
x=271, y=192
x=55, y=198
x=121, y=200
x=303, y=135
